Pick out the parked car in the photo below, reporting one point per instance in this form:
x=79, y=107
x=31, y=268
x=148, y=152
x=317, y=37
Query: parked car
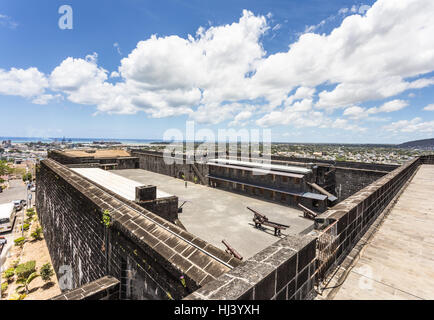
x=18, y=205
x=3, y=241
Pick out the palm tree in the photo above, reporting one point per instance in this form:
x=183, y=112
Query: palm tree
x=25, y=282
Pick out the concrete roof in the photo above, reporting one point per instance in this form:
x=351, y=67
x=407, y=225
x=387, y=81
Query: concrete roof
x=214, y=214
x=122, y=186
x=309, y=195
x=257, y=171
x=104, y=153
x=273, y=167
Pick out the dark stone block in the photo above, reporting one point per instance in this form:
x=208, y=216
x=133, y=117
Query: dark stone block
x=306, y=255
x=302, y=277
x=286, y=272
x=282, y=294
x=266, y=289
x=247, y=296
x=291, y=288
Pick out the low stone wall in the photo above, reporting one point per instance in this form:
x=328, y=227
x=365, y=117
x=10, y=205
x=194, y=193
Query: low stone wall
x=429, y=159
x=106, y=288
x=282, y=271
x=354, y=215
x=167, y=208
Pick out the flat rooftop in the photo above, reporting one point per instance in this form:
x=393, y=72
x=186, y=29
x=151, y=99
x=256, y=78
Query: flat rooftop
x=255, y=171
x=122, y=186
x=214, y=214
x=398, y=262
x=263, y=166
x=99, y=153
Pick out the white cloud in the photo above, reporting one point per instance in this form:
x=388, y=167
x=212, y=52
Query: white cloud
x=7, y=21
x=26, y=83
x=355, y=113
x=118, y=49
x=300, y=94
x=390, y=106
x=46, y=98
x=73, y=74
x=222, y=71
x=414, y=125
x=277, y=27
x=429, y=107
x=344, y=11
x=240, y=118
x=358, y=113
x=114, y=74
x=301, y=114
x=368, y=57
x=169, y=76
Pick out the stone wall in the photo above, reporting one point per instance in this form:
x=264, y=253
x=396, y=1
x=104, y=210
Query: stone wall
x=167, y=208
x=154, y=161
x=343, y=164
x=346, y=176
x=289, y=268
x=106, y=288
x=350, y=180
x=282, y=271
x=147, y=254
x=429, y=159
x=91, y=161
x=354, y=215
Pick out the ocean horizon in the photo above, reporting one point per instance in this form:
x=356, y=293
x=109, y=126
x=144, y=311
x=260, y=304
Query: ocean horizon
x=76, y=140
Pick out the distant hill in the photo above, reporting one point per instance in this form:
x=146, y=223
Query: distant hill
x=426, y=144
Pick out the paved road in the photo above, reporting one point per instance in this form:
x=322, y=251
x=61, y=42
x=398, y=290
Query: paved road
x=16, y=191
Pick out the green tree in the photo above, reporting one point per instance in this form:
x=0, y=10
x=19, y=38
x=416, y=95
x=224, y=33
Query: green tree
x=4, y=287
x=30, y=213
x=36, y=235
x=9, y=274
x=46, y=272
x=26, y=273
x=4, y=168
x=24, y=283
x=20, y=241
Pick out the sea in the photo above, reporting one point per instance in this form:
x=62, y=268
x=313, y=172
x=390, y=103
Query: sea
x=77, y=140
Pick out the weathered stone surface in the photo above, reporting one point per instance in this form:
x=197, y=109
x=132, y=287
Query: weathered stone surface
x=266, y=274
x=106, y=288
x=70, y=208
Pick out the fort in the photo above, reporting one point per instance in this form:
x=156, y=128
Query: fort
x=226, y=228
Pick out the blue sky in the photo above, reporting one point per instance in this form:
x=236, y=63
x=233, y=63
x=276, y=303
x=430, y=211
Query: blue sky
x=57, y=82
